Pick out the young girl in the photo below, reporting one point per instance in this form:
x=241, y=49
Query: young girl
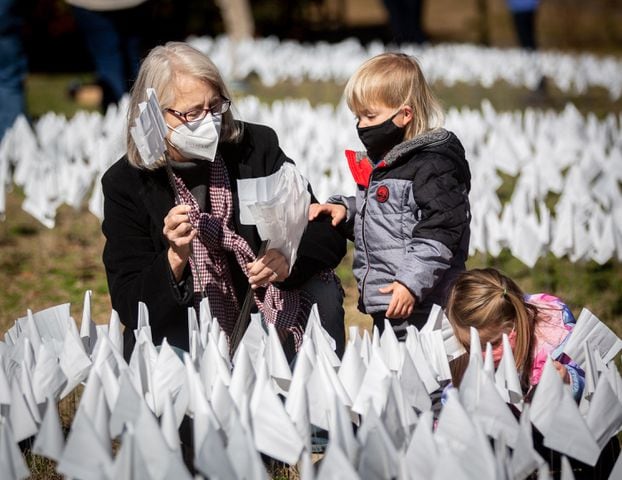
x=410, y=217
x=537, y=325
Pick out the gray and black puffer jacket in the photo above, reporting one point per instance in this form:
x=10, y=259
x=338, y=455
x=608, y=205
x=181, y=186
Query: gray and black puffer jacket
x=410, y=219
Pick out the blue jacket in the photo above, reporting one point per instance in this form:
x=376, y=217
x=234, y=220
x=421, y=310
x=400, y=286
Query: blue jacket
x=410, y=219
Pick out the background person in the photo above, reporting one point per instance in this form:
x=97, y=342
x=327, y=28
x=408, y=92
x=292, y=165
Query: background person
x=113, y=30
x=13, y=64
x=524, y=18
x=406, y=19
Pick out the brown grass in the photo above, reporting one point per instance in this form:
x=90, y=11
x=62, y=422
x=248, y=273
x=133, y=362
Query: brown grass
x=42, y=267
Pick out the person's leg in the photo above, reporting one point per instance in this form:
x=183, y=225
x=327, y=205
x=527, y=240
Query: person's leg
x=131, y=25
x=13, y=65
x=414, y=22
x=524, y=21
x=395, y=9
x=104, y=44
x=417, y=319
x=405, y=18
x=328, y=294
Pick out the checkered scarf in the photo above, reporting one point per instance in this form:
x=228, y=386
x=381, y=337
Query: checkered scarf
x=287, y=310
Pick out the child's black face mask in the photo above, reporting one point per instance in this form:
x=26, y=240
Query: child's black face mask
x=379, y=139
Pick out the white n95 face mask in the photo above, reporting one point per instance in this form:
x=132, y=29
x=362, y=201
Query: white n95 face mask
x=197, y=139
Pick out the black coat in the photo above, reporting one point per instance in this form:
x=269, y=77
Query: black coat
x=135, y=255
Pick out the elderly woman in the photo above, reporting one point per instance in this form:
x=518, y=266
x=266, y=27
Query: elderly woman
x=169, y=245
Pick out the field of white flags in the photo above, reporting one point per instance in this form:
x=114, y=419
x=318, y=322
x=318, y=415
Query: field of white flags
x=383, y=410
x=275, y=61
x=380, y=403
x=576, y=158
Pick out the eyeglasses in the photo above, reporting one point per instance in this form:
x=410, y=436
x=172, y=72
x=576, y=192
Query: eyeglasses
x=218, y=106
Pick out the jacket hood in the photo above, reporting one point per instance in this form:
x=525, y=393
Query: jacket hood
x=440, y=142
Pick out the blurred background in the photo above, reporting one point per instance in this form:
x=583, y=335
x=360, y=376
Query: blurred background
x=54, y=39
x=41, y=267
x=54, y=42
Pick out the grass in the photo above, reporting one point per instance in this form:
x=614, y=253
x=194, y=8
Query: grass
x=40, y=268
x=49, y=93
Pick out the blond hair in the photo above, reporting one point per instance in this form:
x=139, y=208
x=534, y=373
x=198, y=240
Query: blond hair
x=158, y=71
x=394, y=80
x=492, y=303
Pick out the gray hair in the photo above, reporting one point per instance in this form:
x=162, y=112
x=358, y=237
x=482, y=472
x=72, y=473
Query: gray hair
x=158, y=71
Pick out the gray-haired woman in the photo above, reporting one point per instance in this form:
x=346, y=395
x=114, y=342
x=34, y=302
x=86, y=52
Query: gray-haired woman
x=149, y=234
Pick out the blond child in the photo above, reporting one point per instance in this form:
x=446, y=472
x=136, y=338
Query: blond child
x=410, y=217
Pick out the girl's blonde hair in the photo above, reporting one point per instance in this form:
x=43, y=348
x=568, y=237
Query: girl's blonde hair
x=492, y=303
x=158, y=71
x=394, y=80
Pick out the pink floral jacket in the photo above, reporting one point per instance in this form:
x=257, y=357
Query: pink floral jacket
x=553, y=326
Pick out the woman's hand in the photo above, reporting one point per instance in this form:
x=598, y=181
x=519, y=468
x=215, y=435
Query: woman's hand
x=336, y=212
x=402, y=301
x=272, y=267
x=179, y=234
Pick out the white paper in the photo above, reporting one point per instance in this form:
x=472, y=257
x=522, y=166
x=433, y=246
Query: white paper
x=12, y=464
x=555, y=413
x=413, y=388
x=50, y=440
x=422, y=452
x=525, y=459
x=278, y=366
x=601, y=337
x=375, y=387
x=341, y=432
x=297, y=403
x=352, y=369
x=275, y=434
x=74, y=362
x=88, y=332
x=245, y=460
x=168, y=376
x=84, y=455
x=604, y=418
x=418, y=356
x=278, y=206
x=243, y=375
x=506, y=376
x=335, y=465
x=149, y=129
x=22, y=421
x=378, y=455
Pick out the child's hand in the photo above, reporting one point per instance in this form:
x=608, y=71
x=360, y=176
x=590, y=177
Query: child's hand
x=337, y=212
x=402, y=301
x=562, y=371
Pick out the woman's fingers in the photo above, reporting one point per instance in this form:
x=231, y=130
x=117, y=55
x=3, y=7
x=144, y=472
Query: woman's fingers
x=176, y=216
x=272, y=267
x=177, y=227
